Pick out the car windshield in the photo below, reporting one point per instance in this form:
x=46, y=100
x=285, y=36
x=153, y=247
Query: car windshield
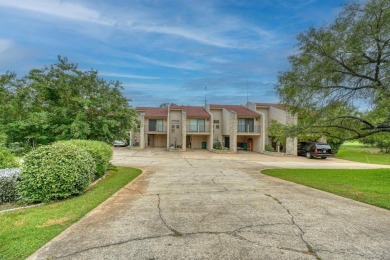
x=323, y=146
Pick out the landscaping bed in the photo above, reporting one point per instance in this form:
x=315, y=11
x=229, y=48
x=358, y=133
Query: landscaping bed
x=24, y=231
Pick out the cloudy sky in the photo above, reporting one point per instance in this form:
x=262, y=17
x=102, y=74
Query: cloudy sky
x=164, y=50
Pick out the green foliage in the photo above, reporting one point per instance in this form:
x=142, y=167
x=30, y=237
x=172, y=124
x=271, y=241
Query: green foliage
x=339, y=65
x=22, y=232
x=380, y=140
x=8, y=182
x=55, y=172
x=7, y=159
x=268, y=148
x=100, y=152
x=217, y=144
x=278, y=132
x=370, y=186
x=61, y=102
x=335, y=144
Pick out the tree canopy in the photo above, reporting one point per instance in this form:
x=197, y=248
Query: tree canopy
x=339, y=81
x=62, y=102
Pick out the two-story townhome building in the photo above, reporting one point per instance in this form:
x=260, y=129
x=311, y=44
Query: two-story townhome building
x=153, y=128
x=237, y=127
x=180, y=127
x=280, y=114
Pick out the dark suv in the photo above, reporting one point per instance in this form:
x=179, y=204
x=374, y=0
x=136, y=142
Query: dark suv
x=314, y=150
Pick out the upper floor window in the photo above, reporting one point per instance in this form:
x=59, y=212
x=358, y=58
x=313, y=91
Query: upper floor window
x=197, y=125
x=156, y=125
x=245, y=125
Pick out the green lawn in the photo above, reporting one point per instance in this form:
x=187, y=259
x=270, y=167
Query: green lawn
x=369, y=186
x=355, y=151
x=22, y=232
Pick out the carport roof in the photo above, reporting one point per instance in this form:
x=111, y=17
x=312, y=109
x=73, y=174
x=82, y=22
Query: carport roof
x=241, y=111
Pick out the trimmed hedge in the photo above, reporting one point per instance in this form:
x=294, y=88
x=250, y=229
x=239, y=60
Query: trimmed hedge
x=7, y=159
x=100, y=152
x=8, y=182
x=55, y=172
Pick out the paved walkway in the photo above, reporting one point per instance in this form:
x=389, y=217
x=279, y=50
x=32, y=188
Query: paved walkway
x=201, y=205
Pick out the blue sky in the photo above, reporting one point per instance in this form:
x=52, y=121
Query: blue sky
x=164, y=50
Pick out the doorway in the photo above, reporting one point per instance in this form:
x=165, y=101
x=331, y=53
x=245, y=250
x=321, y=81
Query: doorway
x=227, y=142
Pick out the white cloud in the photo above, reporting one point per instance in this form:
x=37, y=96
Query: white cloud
x=177, y=65
x=59, y=9
x=5, y=44
x=127, y=75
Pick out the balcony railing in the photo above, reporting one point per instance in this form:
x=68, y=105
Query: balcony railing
x=156, y=128
x=198, y=128
x=248, y=129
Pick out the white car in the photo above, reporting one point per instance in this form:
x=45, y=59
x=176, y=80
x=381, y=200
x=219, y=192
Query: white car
x=119, y=143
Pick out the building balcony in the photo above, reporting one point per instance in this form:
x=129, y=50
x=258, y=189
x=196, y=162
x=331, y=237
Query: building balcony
x=200, y=129
x=156, y=129
x=254, y=130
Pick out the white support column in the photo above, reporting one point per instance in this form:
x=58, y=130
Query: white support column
x=184, y=131
x=233, y=131
x=142, y=132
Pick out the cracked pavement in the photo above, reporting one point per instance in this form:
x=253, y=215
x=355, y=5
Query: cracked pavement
x=201, y=205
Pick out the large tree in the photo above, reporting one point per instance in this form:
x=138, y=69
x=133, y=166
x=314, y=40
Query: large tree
x=339, y=81
x=63, y=102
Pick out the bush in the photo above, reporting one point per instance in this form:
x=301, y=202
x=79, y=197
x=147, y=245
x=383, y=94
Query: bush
x=335, y=144
x=100, y=152
x=268, y=148
x=8, y=181
x=55, y=172
x=7, y=159
x=217, y=145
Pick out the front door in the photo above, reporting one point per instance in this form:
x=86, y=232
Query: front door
x=227, y=142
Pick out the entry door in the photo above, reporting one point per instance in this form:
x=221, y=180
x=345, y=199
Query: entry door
x=227, y=142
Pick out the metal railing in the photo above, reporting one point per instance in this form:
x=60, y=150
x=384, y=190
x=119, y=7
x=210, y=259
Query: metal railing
x=156, y=128
x=198, y=128
x=248, y=129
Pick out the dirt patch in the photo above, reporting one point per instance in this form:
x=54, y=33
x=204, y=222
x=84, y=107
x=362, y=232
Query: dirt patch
x=58, y=221
x=19, y=223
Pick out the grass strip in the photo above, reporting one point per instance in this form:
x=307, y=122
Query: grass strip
x=24, y=231
x=369, y=186
x=358, y=152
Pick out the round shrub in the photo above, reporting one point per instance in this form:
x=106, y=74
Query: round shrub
x=7, y=159
x=100, y=152
x=55, y=172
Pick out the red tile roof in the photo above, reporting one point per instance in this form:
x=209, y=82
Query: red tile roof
x=239, y=110
x=153, y=112
x=192, y=111
x=278, y=106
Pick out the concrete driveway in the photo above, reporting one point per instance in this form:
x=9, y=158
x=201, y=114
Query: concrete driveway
x=202, y=205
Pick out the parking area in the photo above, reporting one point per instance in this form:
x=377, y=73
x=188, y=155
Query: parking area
x=203, y=205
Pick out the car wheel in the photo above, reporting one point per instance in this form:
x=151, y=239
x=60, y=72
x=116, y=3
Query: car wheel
x=323, y=157
x=308, y=155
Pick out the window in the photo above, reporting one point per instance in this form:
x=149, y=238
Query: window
x=156, y=125
x=173, y=129
x=197, y=125
x=245, y=125
x=217, y=126
x=216, y=121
